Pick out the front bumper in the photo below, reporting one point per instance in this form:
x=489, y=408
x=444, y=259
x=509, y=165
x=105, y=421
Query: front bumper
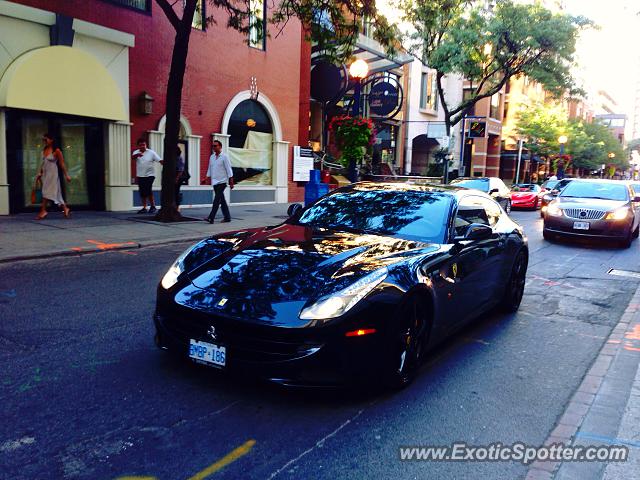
x=524, y=203
x=605, y=229
x=305, y=357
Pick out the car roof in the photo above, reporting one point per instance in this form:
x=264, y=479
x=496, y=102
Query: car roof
x=598, y=180
x=472, y=178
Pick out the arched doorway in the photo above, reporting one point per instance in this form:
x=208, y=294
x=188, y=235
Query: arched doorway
x=252, y=137
x=422, y=149
x=187, y=142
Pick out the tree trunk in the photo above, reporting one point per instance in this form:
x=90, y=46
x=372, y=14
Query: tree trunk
x=169, y=210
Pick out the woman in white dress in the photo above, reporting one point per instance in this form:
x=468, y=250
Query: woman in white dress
x=51, y=190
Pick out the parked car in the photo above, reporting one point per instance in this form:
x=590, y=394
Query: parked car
x=493, y=186
x=358, y=285
x=526, y=195
x=551, y=191
x=594, y=209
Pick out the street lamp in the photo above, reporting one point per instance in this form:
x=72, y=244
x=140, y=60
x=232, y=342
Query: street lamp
x=562, y=139
x=358, y=71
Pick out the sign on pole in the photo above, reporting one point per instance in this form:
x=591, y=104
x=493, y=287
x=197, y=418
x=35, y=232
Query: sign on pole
x=444, y=141
x=302, y=163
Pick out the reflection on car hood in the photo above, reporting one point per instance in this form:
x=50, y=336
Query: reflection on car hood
x=270, y=271
x=594, y=203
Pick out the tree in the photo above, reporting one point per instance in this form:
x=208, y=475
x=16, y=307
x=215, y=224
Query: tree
x=488, y=47
x=541, y=126
x=590, y=145
x=334, y=25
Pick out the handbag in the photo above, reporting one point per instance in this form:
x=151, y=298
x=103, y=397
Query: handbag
x=36, y=192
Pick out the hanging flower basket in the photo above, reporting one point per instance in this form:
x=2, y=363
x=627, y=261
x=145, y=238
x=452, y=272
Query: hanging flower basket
x=354, y=136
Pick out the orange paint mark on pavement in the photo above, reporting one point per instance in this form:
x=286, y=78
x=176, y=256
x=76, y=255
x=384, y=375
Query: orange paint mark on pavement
x=634, y=334
x=109, y=246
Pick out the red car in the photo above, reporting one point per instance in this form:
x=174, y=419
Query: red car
x=526, y=195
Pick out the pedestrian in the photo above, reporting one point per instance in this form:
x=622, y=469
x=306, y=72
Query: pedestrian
x=145, y=174
x=179, y=175
x=219, y=171
x=52, y=159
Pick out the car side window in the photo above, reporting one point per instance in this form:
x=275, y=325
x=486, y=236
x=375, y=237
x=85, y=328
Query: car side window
x=470, y=210
x=492, y=209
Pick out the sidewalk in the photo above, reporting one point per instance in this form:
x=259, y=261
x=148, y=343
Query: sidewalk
x=22, y=237
x=605, y=410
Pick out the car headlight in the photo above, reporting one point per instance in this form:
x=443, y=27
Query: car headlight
x=554, y=211
x=336, y=304
x=171, y=277
x=618, y=214
x=547, y=197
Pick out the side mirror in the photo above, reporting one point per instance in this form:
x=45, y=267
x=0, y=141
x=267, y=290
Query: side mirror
x=478, y=231
x=492, y=191
x=294, y=209
x=555, y=192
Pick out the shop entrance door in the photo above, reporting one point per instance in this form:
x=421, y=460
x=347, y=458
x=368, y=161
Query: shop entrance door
x=81, y=143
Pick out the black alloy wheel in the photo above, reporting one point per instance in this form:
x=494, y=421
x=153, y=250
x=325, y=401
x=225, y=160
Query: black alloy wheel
x=408, y=344
x=515, y=285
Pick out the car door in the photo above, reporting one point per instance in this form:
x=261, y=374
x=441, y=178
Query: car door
x=469, y=266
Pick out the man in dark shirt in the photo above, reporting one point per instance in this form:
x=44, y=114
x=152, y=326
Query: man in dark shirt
x=179, y=173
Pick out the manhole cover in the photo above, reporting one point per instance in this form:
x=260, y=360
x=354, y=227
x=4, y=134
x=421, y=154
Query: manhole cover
x=623, y=273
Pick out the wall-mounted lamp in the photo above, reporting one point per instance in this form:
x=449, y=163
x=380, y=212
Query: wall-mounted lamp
x=145, y=102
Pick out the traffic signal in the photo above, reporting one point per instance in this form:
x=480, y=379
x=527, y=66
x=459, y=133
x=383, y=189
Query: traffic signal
x=477, y=129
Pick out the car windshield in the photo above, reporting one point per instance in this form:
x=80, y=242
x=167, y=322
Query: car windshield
x=524, y=187
x=605, y=191
x=476, y=184
x=550, y=184
x=409, y=214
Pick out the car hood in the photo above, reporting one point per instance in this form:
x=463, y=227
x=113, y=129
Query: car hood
x=519, y=195
x=594, y=203
x=270, y=273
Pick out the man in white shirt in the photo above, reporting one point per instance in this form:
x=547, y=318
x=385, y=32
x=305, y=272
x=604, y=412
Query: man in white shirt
x=220, y=173
x=145, y=173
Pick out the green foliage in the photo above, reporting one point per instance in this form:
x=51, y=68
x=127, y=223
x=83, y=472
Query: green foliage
x=353, y=135
x=460, y=37
x=541, y=125
x=590, y=145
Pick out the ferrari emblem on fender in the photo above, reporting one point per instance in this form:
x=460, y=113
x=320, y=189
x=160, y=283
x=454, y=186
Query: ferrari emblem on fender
x=454, y=269
x=222, y=302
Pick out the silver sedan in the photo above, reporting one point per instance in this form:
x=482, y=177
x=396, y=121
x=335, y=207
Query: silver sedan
x=591, y=209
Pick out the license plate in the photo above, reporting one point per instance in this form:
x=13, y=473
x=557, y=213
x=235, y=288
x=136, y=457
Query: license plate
x=208, y=353
x=581, y=225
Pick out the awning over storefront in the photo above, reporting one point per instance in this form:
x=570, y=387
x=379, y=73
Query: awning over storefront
x=62, y=80
x=374, y=54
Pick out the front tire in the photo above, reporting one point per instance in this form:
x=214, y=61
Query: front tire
x=515, y=285
x=507, y=207
x=626, y=243
x=408, y=343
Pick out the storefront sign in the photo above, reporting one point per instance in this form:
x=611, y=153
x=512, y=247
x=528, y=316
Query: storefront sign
x=302, y=163
x=384, y=98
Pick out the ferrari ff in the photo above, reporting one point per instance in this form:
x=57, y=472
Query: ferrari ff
x=357, y=286
x=594, y=209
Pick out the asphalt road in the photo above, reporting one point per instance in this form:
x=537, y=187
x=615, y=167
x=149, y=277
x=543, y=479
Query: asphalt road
x=85, y=394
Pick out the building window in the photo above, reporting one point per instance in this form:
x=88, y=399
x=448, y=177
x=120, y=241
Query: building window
x=199, y=16
x=141, y=5
x=496, y=99
x=428, y=91
x=257, y=22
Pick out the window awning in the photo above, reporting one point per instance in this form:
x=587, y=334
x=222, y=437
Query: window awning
x=62, y=80
x=374, y=54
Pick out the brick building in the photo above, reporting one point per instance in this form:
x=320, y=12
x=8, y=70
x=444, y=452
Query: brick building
x=88, y=71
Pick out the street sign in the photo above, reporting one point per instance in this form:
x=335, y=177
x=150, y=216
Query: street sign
x=477, y=129
x=443, y=141
x=383, y=98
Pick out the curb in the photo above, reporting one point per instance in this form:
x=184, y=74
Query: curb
x=590, y=404
x=99, y=249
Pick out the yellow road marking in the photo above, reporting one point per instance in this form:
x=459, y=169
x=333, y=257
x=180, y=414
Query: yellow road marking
x=224, y=461
x=136, y=478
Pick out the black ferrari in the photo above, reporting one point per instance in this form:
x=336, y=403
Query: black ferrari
x=358, y=286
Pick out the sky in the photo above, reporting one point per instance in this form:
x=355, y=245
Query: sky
x=609, y=57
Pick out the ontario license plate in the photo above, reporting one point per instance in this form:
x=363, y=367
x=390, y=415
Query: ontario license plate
x=581, y=225
x=208, y=353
